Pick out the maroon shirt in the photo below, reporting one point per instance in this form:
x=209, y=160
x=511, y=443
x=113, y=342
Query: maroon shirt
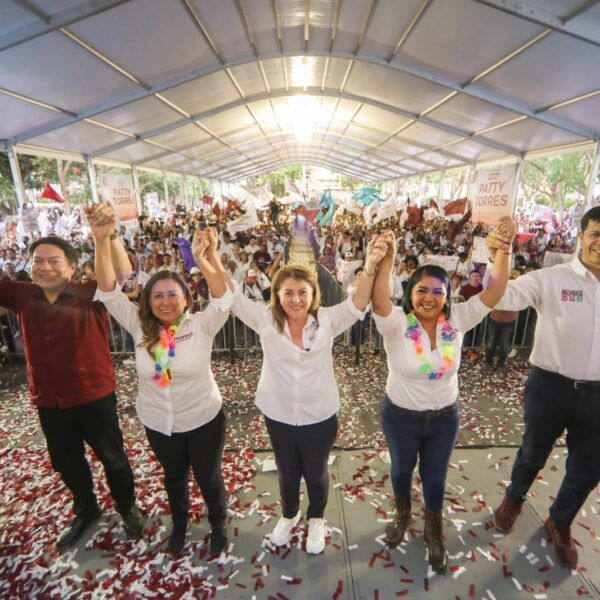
x=468, y=291
x=66, y=343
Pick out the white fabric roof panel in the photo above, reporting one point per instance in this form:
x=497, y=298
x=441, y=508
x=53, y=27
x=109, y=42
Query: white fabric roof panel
x=452, y=82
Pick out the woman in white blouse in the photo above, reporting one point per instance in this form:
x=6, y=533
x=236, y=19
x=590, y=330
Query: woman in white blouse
x=178, y=400
x=420, y=410
x=297, y=392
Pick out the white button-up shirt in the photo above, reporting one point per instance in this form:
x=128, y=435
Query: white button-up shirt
x=567, y=333
x=192, y=399
x=297, y=385
x=406, y=386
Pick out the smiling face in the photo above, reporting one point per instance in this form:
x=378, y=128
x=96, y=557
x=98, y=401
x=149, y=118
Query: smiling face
x=50, y=268
x=295, y=296
x=590, y=244
x=428, y=298
x=167, y=301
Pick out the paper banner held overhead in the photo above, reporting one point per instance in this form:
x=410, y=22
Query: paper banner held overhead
x=118, y=191
x=492, y=194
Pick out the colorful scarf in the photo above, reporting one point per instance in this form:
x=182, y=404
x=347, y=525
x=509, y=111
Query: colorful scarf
x=164, y=352
x=413, y=332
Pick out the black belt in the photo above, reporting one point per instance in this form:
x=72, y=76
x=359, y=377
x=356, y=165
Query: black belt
x=578, y=384
x=427, y=414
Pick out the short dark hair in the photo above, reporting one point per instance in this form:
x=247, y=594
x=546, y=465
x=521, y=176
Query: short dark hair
x=591, y=215
x=420, y=273
x=66, y=247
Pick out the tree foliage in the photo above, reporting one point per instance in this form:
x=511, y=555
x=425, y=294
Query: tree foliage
x=553, y=178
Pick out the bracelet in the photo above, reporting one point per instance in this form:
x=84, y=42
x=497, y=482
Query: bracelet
x=114, y=236
x=370, y=274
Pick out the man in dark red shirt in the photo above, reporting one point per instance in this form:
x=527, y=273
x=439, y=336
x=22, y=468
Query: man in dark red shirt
x=71, y=379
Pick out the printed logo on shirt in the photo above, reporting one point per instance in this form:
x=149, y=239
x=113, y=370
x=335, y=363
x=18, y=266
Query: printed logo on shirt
x=185, y=336
x=571, y=296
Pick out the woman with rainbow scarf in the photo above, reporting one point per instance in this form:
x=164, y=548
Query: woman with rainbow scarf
x=178, y=400
x=420, y=410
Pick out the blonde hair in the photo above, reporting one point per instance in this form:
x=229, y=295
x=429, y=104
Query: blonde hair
x=299, y=273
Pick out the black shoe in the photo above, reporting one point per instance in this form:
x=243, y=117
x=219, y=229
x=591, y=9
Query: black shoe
x=218, y=539
x=177, y=539
x=438, y=559
x=76, y=528
x=133, y=521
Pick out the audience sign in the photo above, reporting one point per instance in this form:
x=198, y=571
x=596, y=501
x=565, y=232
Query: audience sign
x=446, y=262
x=479, y=252
x=492, y=194
x=118, y=191
x=556, y=258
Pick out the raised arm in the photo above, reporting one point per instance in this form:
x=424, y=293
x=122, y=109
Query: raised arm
x=102, y=227
x=382, y=287
x=376, y=250
x=212, y=255
x=500, y=242
x=102, y=217
x=204, y=245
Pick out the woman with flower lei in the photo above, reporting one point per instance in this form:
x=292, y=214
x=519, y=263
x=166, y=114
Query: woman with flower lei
x=420, y=410
x=178, y=400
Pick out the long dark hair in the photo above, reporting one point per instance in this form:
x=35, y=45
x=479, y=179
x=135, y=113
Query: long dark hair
x=149, y=323
x=420, y=273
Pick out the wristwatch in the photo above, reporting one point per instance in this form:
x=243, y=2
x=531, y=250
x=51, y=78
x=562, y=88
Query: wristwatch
x=114, y=235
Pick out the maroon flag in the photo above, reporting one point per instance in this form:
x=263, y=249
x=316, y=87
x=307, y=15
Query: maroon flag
x=456, y=207
x=207, y=200
x=415, y=215
x=51, y=193
x=455, y=227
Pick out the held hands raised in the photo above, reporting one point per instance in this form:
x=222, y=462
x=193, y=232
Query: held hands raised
x=200, y=245
x=102, y=220
x=377, y=249
x=501, y=237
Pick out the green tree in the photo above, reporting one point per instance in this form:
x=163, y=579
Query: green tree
x=555, y=177
x=277, y=178
x=350, y=183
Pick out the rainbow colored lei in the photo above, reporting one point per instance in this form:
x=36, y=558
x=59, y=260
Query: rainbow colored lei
x=448, y=333
x=164, y=351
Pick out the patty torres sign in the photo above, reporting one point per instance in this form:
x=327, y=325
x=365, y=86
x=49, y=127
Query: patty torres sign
x=492, y=194
x=118, y=191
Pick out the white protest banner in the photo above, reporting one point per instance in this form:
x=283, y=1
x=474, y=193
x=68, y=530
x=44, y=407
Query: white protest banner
x=354, y=206
x=492, y=194
x=543, y=213
x=118, y=191
x=446, y=262
x=29, y=219
x=576, y=215
x=370, y=212
x=245, y=222
x=387, y=210
x=153, y=204
x=556, y=258
x=479, y=250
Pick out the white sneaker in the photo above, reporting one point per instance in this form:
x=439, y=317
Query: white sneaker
x=512, y=353
x=280, y=536
x=129, y=362
x=315, y=542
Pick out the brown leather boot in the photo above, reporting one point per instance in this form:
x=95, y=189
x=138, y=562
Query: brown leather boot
x=394, y=532
x=432, y=533
x=564, y=548
x=506, y=515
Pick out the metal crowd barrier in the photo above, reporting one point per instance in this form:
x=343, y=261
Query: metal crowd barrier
x=234, y=337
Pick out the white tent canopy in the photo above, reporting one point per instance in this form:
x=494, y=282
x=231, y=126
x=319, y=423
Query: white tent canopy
x=227, y=89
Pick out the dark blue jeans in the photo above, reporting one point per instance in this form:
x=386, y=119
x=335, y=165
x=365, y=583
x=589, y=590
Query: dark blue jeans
x=498, y=335
x=552, y=405
x=430, y=439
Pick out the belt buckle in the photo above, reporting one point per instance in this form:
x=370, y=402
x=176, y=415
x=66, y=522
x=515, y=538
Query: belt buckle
x=578, y=385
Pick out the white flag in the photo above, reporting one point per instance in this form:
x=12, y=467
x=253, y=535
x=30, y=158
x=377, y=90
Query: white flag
x=245, y=222
x=387, y=210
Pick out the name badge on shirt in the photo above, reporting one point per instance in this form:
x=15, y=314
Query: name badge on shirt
x=571, y=296
x=184, y=337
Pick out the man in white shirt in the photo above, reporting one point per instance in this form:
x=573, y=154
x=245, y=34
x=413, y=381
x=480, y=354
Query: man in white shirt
x=563, y=389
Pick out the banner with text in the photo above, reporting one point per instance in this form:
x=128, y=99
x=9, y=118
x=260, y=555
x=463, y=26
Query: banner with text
x=492, y=194
x=118, y=191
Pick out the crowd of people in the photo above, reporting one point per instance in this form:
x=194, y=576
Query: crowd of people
x=150, y=278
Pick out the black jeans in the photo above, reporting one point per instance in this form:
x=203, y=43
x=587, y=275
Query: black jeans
x=426, y=436
x=553, y=404
x=303, y=451
x=501, y=335
x=202, y=450
x=96, y=423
